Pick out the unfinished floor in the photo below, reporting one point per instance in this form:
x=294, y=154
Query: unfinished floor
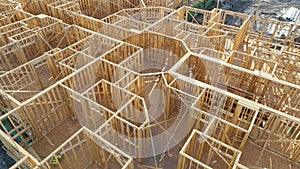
x=145, y=84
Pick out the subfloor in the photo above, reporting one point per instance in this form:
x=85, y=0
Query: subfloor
x=249, y=158
x=83, y=159
x=269, y=160
x=92, y=166
x=167, y=160
x=58, y=136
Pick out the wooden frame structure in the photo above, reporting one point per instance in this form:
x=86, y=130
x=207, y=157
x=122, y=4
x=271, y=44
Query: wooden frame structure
x=201, y=148
x=219, y=79
x=84, y=149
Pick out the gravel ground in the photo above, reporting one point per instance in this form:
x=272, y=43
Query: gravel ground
x=268, y=8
